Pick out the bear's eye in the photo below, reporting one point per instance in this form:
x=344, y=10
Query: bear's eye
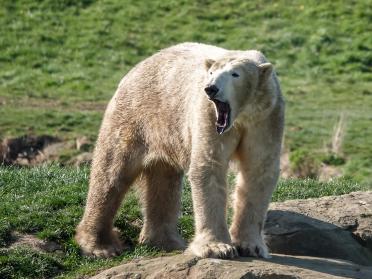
x=235, y=75
x=210, y=73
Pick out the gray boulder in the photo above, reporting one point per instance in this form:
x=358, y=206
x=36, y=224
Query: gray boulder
x=279, y=266
x=303, y=235
x=333, y=227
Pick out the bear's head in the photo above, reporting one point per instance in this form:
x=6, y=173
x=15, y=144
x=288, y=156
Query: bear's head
x=237, y=86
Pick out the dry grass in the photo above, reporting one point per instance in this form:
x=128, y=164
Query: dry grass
x=338, y=136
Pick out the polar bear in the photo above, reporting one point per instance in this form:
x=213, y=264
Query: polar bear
x=188, y=109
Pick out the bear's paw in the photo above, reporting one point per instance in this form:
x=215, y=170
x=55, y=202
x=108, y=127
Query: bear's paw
x=217, y=250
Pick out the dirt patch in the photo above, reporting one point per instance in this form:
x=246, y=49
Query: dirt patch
x=307, y=168
x=327, y=173
x=34, y=243
x=285, y=168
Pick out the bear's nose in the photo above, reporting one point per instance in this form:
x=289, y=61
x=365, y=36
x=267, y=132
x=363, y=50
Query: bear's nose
x=211, y=90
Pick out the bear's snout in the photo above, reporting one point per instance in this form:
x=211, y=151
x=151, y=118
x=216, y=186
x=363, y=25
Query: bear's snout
x=211, y=90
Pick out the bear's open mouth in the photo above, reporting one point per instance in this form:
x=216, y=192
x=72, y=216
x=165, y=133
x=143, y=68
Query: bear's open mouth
x=223, y=115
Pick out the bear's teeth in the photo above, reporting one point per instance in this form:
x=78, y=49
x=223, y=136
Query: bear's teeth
x=226, y=115
x=220, y=129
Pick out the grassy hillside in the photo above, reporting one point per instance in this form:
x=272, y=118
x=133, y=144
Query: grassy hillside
x=48, y=202
x=61, y=61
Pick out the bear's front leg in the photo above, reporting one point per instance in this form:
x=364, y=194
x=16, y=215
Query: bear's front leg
x=252, y=197
x=258, y=160
x=212, y=239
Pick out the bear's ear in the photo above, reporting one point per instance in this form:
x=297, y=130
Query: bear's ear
x=208, y=63
x=265, y=71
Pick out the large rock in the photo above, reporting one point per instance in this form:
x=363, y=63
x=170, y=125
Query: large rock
x=334, y=227
x=279, y=266
x=304, y=233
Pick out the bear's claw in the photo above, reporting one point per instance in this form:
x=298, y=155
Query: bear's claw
x=104, y=252
x=253, y=250
x=214, y=250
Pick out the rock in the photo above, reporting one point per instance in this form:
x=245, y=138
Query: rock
x=83, y=143
x=303, y=234
x=279, y=266
x=81, y=159
x=31, y=150
x=335, y=227
x=50, y=153
x=23, y=150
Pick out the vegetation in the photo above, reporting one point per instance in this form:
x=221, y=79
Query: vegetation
x=60, y=62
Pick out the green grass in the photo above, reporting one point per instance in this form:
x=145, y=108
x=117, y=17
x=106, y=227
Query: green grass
x=48, y=202
x=65, y=58
x=63, y=123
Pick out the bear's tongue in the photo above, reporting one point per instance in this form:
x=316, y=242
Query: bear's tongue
x=223, y=116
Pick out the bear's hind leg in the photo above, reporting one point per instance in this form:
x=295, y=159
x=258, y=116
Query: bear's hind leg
x=114, y=169
x=160, y=189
